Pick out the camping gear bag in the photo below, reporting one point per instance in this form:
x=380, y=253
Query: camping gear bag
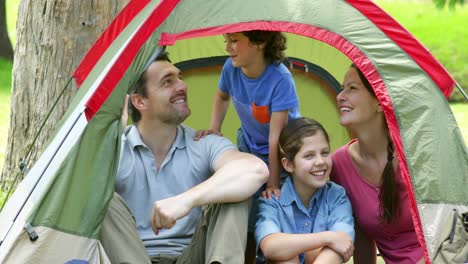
x=452, y=244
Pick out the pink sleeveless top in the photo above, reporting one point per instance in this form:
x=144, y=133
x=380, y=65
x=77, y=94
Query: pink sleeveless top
x=397, y=242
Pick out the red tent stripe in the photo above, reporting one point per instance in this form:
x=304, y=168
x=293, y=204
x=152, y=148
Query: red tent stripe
x=357, y=57
x=116, y=72
x=125, y=16
x=372, y=75
x=409, y=44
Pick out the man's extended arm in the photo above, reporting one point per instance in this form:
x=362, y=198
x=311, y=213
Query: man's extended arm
x=237, y=177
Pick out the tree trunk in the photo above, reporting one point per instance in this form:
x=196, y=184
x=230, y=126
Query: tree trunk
x=52, y=38
x=6, y=51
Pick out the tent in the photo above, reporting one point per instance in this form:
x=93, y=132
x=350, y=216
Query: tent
x=55, y=214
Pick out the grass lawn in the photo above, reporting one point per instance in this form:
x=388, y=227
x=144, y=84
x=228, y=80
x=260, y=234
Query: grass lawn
x=460, y=111
x=442, y=32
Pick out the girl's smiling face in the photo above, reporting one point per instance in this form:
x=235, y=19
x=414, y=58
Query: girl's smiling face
x=311, y=166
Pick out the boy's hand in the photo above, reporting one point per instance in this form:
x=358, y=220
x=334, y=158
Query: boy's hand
x=203, y=133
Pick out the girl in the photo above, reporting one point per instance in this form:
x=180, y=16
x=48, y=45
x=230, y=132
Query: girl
x=264, y=95
x=312, y=216
x=367, y=168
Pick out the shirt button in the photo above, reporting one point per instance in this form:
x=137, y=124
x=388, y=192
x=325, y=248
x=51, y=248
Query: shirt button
x=306, y=224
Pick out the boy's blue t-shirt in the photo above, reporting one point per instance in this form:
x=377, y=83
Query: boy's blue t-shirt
x=255, y=100
x=329, y=210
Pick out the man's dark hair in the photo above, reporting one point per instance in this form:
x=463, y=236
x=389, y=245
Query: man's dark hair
x=140, y=88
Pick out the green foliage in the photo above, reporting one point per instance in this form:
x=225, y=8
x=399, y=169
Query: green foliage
x=2, y=198
x=451, y=3
x=11, y=13
x=5, y=90
x=442, y=32
x=5, y=76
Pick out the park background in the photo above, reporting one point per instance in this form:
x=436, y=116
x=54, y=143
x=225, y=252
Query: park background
x=442, y=31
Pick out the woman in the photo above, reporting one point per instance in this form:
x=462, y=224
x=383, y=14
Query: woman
x=368, y=170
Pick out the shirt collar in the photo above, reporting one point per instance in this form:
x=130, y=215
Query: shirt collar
x=289, y=194
x=134, y=138
x=180, y=139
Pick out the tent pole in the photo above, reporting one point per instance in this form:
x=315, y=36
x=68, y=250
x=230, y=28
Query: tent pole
x=461, y=91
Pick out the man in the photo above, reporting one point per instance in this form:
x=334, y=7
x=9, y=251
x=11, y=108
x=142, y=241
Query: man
x=165, y=177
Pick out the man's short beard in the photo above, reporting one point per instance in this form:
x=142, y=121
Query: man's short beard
x=175, y=119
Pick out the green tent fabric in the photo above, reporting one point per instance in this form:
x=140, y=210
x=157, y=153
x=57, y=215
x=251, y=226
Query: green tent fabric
x=65, y=195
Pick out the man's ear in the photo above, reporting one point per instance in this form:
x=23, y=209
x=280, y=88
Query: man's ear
x=287, y=165
x=138, y=101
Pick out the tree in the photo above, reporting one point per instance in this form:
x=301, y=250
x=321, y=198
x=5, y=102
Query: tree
x=6, y=51
x=52, y=38
x=451, y=3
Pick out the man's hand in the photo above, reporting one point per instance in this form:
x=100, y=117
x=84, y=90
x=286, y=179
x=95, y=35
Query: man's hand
x=125, y=113
x=342, y=244
x=203, y=133
x=166, y=212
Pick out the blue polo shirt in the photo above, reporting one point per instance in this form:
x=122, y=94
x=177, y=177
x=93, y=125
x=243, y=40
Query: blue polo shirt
x=329, y=210
x=187, y=164
x=255, y=100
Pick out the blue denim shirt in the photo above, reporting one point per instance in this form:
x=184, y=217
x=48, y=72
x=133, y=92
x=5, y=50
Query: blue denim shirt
x=329, y=210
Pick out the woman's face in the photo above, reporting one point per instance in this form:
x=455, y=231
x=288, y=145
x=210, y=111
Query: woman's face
x=355, y=103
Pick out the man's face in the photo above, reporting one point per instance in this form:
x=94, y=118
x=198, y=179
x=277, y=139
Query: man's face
x=166, y=94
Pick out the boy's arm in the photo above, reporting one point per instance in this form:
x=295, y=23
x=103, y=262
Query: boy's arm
x=219, y=109
x=237, y=176
x=277, y=123
x=218, y=113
